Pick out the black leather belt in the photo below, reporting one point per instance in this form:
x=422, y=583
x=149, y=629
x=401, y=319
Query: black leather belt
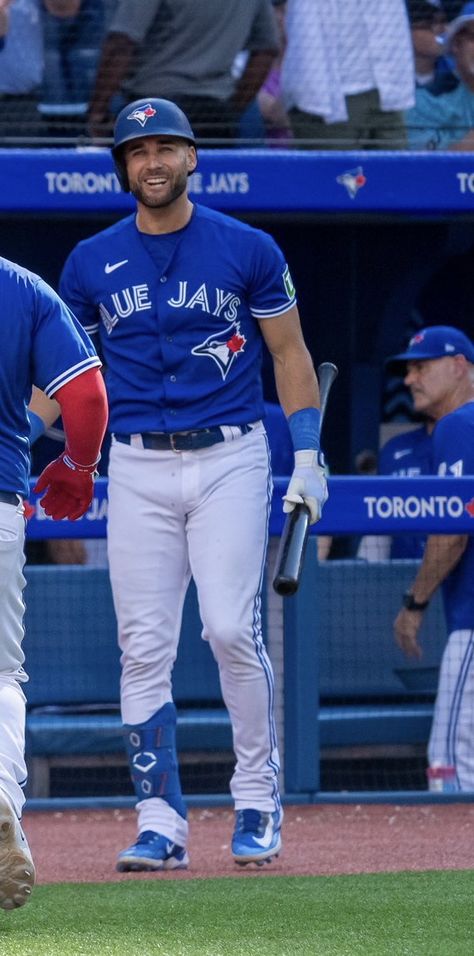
x=180, y=441
x=9, y=498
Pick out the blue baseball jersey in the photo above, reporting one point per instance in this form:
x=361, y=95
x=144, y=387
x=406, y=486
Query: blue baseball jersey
x=42, y=344
x=453, y=455
x=178, y=319
x=407, y=455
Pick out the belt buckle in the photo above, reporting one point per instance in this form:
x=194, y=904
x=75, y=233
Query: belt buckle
x=173, y=446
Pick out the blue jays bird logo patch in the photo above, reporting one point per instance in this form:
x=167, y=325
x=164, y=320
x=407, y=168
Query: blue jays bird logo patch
x=223, y=348
x=142, y=114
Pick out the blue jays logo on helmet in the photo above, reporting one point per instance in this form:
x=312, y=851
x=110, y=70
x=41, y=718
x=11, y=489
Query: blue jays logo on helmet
x=142, y=114
x=223, y=348
x=153, y=117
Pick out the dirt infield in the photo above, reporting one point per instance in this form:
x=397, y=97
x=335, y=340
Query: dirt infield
x=81, y=846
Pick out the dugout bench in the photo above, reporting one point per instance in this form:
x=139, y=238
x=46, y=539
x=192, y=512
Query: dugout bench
x=346, y=621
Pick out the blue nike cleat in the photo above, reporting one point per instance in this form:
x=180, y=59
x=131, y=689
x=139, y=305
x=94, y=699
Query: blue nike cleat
x=257, y=836
x=152, y=851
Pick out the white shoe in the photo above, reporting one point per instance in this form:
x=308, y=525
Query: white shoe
x=17, y=872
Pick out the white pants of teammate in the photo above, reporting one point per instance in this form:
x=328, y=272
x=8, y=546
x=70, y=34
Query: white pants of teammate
x=202, y=513
x=12, y=698
x=452, y=733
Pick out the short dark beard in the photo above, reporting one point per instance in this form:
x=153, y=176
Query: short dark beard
x=177, y=191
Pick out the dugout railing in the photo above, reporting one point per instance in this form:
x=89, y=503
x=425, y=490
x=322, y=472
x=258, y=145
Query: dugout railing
x=343, y=689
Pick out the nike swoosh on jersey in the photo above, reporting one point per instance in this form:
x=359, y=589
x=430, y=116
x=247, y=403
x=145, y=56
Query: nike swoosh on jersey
x=400, y=454
x=115, y=265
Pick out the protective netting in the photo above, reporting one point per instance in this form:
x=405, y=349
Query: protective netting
x=387, y=74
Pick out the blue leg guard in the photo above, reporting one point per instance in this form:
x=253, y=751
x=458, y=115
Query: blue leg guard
x=151, y=749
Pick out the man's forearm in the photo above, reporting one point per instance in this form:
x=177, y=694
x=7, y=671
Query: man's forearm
x=253, y=77
x=295, y=380
x=442, y=554
x=114, y=63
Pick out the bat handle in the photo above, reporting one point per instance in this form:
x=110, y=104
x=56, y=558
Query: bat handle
x=291, y=551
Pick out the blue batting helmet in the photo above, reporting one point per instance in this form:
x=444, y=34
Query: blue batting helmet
x=150, y=117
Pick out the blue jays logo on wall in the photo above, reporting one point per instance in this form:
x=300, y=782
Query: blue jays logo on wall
x=353, y=180
x=143, y=114
x=223, y=348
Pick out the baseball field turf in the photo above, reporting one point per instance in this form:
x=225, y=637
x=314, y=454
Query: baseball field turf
x=390, y=914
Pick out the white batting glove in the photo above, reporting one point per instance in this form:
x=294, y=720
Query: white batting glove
x=308, y=484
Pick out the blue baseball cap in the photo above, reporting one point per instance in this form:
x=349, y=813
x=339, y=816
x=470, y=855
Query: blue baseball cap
x=434, y=342
x=466, y=16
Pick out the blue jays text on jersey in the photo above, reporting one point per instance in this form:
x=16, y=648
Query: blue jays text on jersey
x=37, y=348
x=453, y=455
x=178, y=318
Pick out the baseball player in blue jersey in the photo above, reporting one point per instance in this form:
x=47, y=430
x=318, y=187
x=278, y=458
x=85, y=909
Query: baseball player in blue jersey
x=182, y=299
x=41, y=342
x=407, y=455
x=440, y=374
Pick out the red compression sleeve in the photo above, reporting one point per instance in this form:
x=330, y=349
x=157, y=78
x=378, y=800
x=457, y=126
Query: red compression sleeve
x=84, y=412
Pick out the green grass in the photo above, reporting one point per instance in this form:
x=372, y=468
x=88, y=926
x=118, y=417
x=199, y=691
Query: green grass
x=396, y=914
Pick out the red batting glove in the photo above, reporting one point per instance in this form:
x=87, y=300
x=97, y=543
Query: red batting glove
x=70, y=488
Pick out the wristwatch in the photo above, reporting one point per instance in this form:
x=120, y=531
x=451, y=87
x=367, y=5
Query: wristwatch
x=412, y=605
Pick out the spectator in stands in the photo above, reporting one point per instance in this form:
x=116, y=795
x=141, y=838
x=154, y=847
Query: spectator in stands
x=439, y=363
x=348, y=73
x=4, y=21
x=278, y=130
x=447, y=121
x=433, y=69
x=185, y=52
x=73, y=32
x=21, y=71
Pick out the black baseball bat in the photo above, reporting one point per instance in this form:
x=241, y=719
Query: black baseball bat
x=292, y=547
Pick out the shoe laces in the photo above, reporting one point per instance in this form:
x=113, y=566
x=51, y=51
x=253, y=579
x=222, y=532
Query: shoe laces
x=146, y=837
x=251, y=821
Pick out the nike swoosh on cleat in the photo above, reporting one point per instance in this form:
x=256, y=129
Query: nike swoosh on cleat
x=169, y=848
x=267, y=838
x=115, y=265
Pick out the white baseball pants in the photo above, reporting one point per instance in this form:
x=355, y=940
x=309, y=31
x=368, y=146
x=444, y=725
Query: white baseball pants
x=202, y=513
x=12, y=698
x=452, y=733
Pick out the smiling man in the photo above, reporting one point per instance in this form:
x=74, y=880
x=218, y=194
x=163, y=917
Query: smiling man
x=439, y=365
x=447, y=121
x=183, y=299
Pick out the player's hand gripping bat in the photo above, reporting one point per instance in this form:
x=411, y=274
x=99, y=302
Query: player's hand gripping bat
x=294, y=537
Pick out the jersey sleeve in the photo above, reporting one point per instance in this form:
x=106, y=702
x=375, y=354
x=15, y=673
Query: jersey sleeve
x=71, y=289
x=271, y=290
x=453, y=443
x=61, y=349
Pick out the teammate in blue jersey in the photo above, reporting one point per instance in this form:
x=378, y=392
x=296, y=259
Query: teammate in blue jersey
x=41, y=343
x=407, y=455
x=440, y=374
x=183, y=299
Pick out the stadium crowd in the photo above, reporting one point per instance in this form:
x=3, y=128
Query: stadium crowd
x=366, y=74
